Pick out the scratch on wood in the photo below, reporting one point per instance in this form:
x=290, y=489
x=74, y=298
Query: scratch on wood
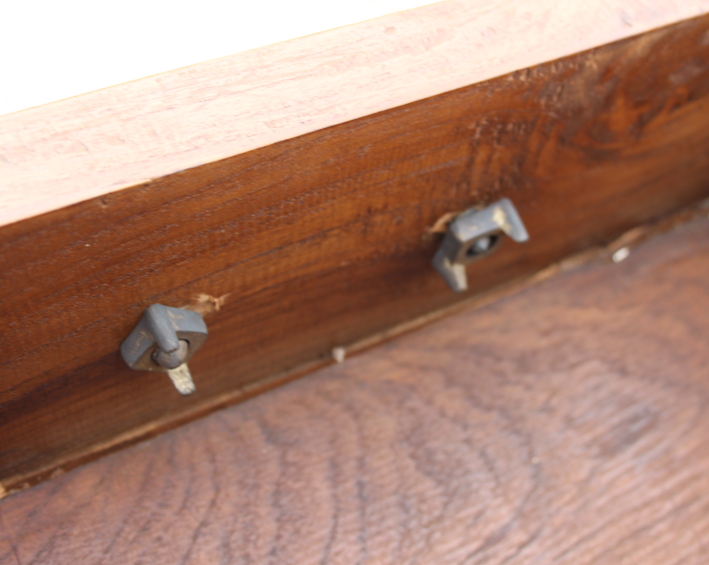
x=206, y=303
x=58, y=472
x=441, y=224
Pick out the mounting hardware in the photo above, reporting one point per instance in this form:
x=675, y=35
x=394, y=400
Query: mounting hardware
x=164, y=340
x=475, y=234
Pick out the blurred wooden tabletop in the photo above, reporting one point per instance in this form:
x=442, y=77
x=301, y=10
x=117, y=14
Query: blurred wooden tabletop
x=566, y=424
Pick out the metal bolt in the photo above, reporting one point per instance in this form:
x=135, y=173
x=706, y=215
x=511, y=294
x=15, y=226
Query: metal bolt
x=172, y=359
x=474, y=234
x=481, y=245
x=164, y=340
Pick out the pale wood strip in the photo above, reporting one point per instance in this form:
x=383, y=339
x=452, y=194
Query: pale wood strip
x=69, y=151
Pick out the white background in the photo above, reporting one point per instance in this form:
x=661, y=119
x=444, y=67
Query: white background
x=53, y=49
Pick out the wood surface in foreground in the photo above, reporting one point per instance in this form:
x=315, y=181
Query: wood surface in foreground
x=566, y=424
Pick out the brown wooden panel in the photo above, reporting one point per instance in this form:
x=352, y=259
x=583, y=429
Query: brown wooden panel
x=564, y=425
x=322, y=240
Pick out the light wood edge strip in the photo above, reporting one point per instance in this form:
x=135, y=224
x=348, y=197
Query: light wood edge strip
x=66, y=152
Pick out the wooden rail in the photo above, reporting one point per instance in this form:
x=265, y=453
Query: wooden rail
x=322, y=240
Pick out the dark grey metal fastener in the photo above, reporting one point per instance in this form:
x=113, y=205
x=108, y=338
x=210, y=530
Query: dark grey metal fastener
x=474, y=234
x=164, y=340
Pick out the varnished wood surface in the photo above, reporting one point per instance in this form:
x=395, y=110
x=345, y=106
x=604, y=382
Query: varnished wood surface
x=323, y=240
x=95, y=144
x=566, y=424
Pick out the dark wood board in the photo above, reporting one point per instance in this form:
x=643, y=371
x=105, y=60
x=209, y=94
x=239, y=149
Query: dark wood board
x=564, y=425
x=322, y=240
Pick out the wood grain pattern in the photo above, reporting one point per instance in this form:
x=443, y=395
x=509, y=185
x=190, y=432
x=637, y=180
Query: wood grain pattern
x=564, y=425
x=322, y=241
x=80, y=148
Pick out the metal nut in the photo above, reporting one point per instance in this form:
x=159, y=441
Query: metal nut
x=474, y=234
x=164, y=339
